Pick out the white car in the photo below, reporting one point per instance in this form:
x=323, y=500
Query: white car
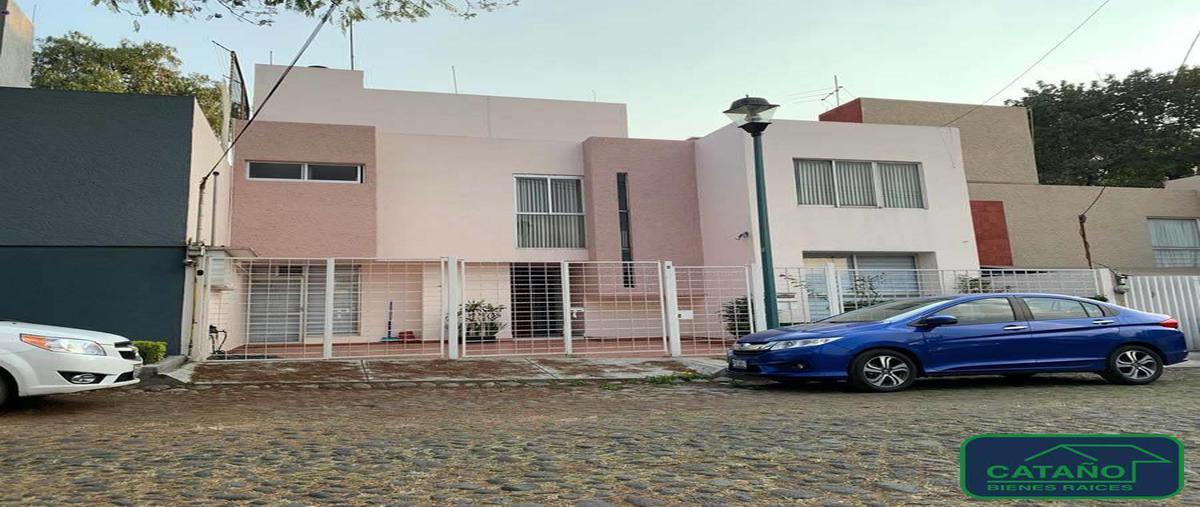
x=36, y=360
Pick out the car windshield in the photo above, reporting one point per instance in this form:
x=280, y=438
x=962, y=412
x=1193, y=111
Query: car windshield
x=884, y=311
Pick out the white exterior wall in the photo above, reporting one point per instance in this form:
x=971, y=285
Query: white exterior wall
x=726, y=198
x=943, y=232
x=206, y=149
x=332, y=96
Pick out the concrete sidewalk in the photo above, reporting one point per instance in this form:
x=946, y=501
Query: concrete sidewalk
x=523, y=369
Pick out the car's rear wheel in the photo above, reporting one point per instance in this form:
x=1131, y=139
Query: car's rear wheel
x=1133, y=365
x=882, y=371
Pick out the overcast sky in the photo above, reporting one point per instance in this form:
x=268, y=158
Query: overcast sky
x=678, y=63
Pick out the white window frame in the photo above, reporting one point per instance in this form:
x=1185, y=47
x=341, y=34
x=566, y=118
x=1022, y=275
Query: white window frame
x=304, y=172
x=876, y=182
x=549, y=209
x=1154, y=249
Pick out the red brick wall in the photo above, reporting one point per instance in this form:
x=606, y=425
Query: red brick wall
x=850, y=112
x=991, y=233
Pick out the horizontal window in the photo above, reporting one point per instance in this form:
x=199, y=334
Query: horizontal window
x=1176, y=242
x=344, y=173
x=275, y=171
x=861, y=184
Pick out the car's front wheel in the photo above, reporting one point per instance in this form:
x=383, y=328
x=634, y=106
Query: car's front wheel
x=8, y=391
x=882, y=371
x=1133, y=365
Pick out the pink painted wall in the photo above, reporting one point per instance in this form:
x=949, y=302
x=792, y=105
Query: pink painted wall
x=317, y=95
x=304, y=218
x=664, y=212
x=445, y=195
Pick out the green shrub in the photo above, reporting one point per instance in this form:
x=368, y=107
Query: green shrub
x=151, y=352
x=736, y=315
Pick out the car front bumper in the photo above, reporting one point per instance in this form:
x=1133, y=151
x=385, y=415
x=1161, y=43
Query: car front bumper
x=802, y=363
x=39, y=372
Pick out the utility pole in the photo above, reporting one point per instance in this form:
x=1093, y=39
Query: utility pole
x=837, y=91
x=351, y=45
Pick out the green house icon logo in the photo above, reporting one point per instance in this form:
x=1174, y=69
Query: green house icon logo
x=1049, y=466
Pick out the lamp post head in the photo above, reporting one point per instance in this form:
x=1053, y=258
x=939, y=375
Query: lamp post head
x=751, y=114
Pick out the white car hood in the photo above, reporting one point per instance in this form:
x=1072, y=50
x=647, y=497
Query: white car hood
x=13, y=329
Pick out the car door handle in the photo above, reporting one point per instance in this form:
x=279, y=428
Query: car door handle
x=1103, y=322
x=1015, y=327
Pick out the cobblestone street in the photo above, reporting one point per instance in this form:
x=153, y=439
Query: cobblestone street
x=593, y=444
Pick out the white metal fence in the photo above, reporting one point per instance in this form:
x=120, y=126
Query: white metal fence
x=273, y=308
x=807, y=294
x=1177, y=296
x=269, y=308
x=260, y=308
x=715, y=307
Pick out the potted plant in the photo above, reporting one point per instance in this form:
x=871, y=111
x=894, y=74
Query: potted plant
x=481, y=321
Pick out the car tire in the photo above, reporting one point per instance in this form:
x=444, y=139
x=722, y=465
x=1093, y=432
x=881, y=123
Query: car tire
x=1133, y=365
x=8, y=391
x=882, y=371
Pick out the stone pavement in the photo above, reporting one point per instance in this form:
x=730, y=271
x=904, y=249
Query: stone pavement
x=442, y=370
x=601, y=443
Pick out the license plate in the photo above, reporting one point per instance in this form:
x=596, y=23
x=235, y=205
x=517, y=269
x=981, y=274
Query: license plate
x=739, y=364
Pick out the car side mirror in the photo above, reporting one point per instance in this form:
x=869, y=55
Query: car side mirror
x=937, y=320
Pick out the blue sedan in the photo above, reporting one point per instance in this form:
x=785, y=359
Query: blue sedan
x=886, y=347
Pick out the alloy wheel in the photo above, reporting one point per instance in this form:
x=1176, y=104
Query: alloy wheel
x=886, y=371
x=1136, y=364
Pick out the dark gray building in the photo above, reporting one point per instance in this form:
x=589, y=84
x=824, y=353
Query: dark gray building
x=97, y=192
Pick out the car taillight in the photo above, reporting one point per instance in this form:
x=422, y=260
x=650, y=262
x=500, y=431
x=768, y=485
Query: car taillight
x=1170, y=322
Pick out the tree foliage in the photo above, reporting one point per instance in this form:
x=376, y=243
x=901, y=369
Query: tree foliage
x=263, y=12
x=77, y=62
x=1135, y=131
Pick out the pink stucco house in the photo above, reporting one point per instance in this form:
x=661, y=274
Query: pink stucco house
x=553, y=210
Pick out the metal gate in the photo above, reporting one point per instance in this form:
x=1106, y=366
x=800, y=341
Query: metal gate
x=561, y=308
x=714, y=307
x=277, y=308
x=1177, y=296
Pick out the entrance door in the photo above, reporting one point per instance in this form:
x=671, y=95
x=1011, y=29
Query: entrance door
x=275, y=308
x=536, y=300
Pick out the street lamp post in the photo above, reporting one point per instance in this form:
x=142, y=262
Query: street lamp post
x=753, y=114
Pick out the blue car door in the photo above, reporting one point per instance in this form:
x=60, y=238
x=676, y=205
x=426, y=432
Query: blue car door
x=990, y=335
x=1071, y=333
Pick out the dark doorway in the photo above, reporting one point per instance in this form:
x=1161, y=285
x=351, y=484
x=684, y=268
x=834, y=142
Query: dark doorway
x=536, y=300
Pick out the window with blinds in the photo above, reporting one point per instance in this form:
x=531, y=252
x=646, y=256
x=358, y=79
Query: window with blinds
x=858, y=184
x=1176, y=242
x=549, y=212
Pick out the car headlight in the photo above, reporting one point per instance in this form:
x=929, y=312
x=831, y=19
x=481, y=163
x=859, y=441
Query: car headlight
x=67, y=345
x=807, y=342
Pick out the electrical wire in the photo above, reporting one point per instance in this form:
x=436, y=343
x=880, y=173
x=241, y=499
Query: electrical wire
x=1094, y=201
x=827, y=88
x=1183, y=64
x=1189, y=50
x=1031, y=66
x=278, y=82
